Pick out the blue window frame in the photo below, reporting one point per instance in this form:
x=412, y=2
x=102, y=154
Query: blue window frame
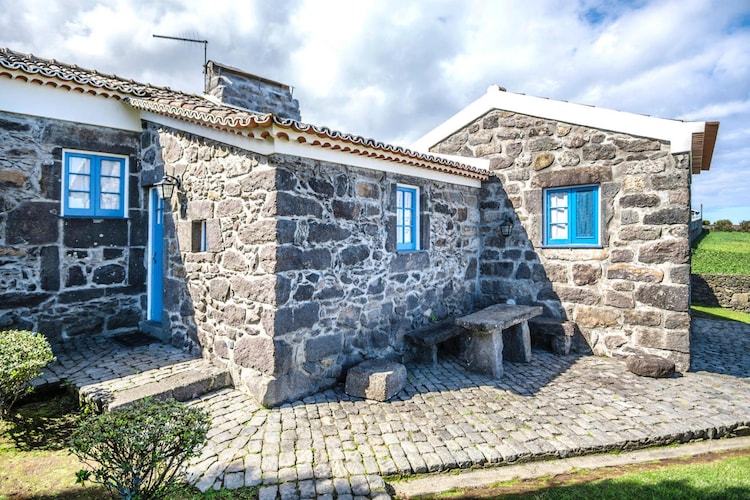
x=93, y=185
x=407, y=218
x=572, y=216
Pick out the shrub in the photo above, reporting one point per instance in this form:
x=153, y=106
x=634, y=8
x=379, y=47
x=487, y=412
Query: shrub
x=723, y=225
x=138, y=452
x=22, y=356
x=706, y=222
x=745, y=226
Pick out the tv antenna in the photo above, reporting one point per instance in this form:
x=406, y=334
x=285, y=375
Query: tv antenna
x=192, y=40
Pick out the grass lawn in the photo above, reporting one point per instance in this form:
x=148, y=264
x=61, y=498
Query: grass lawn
x=710, y=312
x=712, y=476
x=722, y=253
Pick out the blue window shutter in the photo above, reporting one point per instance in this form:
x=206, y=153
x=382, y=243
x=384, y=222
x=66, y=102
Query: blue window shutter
x=78, y=184
x=586, y=214
x=93, y=185
x=406, y=218
x=572, y=216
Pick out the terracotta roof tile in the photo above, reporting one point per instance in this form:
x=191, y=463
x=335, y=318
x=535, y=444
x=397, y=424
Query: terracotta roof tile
x=205, y=112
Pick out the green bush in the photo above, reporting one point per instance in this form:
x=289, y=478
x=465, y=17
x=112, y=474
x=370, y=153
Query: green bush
x=138, y=452
x=22, y=356
x=745, y=226
x=706, y=222
x=723, y=225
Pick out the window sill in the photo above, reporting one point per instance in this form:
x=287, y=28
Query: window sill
x=95, y=218
x=573, y=247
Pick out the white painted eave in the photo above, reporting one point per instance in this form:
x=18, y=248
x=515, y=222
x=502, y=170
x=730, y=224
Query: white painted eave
x=18, y=96
x=274, y=144
x=678, y=133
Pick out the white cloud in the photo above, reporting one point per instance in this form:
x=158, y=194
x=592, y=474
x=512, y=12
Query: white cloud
x=393, y=69
x=718, y=110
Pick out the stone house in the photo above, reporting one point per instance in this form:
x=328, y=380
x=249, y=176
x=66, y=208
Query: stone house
x=600, y=201
x=291, y=252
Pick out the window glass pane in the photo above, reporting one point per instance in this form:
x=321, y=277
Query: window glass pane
x=407, y=235
x=79, y=200
x=110, y=168
x=585, y=214
x=407, y=218
x=407, y=200
x=400, y=218
x=559, y=215
x=558, y=200
x=79, y=183
x=110, y=185
x=110, y=202
x=559, y=231
x=78, y=165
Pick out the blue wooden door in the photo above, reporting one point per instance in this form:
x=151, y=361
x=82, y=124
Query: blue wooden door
x=156, y=257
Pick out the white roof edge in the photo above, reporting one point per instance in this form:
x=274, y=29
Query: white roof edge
x=482, y=163
x=677, y=133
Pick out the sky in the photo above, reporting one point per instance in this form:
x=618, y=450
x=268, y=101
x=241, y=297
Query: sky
x=395, y=69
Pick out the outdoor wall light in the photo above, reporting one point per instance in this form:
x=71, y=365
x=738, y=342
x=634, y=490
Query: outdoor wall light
x=167, y=185
x=506, y=227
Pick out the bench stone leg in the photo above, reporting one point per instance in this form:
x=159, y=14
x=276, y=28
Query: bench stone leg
x=483, y=352
x=517, y=340
x=561, y=344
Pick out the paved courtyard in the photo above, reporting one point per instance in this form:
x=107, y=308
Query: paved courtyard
x=333, y=446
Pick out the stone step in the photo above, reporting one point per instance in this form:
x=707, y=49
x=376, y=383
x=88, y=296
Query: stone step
x=182, y=381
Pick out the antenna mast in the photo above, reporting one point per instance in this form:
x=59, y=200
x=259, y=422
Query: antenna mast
x=205, y=51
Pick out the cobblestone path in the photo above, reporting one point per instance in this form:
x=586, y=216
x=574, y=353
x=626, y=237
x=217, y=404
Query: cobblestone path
x=331, y=445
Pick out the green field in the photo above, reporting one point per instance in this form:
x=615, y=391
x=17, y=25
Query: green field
x=722, y=253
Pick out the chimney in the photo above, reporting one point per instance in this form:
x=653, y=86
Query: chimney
x=254, y=93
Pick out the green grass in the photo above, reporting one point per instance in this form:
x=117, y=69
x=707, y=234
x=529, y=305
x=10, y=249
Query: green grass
x=722, y=253
x=710, y=312
x=725, y=478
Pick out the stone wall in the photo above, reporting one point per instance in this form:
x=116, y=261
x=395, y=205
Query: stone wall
x=630, y=294
x=236, y=88
x=301, y=278
x=730, y=291
x=61, y=276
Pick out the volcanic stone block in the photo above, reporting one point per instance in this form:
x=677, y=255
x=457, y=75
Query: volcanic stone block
x=649, y=365
x=558, y=333
x=33, y=223
x=376, y=379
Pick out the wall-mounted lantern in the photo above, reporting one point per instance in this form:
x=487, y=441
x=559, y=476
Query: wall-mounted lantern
x=506, y=227
x=167, y=185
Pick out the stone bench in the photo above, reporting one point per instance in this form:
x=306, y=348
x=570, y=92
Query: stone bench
x=376, y=379
x=429, y=337
x=555, y=334
x=497, y=332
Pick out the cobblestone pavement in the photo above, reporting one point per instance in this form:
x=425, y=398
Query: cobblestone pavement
x=330, y=445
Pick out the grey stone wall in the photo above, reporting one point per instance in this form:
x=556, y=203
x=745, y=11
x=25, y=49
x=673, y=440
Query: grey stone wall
x=251, y=92
x=632, y=294
x=65, y=276
x=730, y=291
x=301, y=278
